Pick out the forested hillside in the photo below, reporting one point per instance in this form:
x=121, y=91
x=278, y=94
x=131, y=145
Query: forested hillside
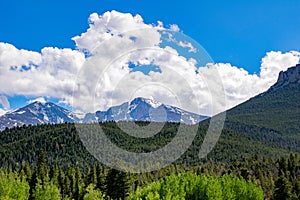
x=277, y=109
x=64, y=147
x=254, y=178
x=68, y=170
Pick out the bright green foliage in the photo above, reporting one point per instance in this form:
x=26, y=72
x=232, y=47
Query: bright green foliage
x=12, y=187
x=100, y=177
x=280, y=179
x=93, y=194
x=191, y=186
x=46, y=191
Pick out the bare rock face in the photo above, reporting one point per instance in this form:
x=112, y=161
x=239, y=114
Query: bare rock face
x=292, y=75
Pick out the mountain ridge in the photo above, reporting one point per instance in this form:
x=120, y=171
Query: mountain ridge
x=139, y=109
x=272, y=115
x=37, y=113
x=290, y=76
x=143, y=109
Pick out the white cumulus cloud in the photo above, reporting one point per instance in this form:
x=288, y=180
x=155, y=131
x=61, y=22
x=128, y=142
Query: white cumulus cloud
x=112, y=42
x=188, y=45
x=110, y=24
x=10, y=56
x=49, y=73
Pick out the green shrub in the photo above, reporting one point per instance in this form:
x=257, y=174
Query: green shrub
x=191, y=186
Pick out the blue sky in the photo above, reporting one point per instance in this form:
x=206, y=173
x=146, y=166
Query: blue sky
x=238, y=32
x=232, y=31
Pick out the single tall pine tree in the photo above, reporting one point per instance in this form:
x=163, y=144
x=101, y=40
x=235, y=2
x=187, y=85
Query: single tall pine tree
x=40, y=173
x=117, y=184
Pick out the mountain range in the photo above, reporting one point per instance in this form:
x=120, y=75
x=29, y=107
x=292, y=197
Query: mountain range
x=256, y=111
x=143, y=109
x=266, y=125
x=139, y=109
x=37, y=113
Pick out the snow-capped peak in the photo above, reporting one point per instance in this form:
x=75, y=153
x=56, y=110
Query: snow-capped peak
x=151, y=101
x=143, y=109
x=41, y=100
x=139, y=109
x=37, y=113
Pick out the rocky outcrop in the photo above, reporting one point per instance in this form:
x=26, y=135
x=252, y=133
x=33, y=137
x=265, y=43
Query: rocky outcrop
x=290, y=76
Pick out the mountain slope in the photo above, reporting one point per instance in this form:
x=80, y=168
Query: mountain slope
x=142, y=109
x=266, y=125
x=272, y=116
x=278, y=108
x=64, y=147
x=37, y=113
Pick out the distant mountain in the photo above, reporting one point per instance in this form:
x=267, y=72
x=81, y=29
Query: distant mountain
x=274, y=115
x=142, y=109
x=265, y=125
x=37, y=113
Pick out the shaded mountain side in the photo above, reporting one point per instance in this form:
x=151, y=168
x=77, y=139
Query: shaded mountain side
x=263, y=134
x=274, y=115
x=277, y=109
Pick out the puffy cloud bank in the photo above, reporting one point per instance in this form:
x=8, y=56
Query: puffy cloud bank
x=98, y=73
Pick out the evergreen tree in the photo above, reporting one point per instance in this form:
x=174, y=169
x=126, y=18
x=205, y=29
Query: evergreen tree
x=78, y=185
x=25, y=171
x=61, y=182
x=70, y=182
x=283, y=188
x=100, y=178
x=296, y=188
x=53, y=174
x=117, y=184
x=40, y=173
x=91, y=177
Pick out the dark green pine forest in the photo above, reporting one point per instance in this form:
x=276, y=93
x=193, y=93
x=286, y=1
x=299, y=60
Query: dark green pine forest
x=256, y=157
